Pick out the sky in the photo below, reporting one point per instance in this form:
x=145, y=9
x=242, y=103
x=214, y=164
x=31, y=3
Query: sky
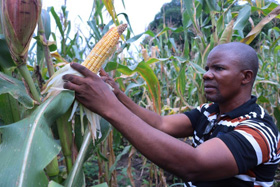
x=140, y=12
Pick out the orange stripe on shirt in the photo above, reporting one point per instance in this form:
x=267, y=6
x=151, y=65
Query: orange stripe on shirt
x=239, y=119
x=260, y=138
x=212, y=114
x=250, y=173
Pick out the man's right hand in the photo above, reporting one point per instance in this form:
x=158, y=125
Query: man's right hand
x=109, y=80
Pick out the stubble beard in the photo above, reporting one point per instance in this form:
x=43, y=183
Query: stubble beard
x=216, y=98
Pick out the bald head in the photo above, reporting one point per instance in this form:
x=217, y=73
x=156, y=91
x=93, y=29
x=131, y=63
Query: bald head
x=245, y=55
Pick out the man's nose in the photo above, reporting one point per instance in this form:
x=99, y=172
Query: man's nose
x=208, y=75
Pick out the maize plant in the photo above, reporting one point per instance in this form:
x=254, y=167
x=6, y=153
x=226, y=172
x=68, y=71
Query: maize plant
x=168, y=82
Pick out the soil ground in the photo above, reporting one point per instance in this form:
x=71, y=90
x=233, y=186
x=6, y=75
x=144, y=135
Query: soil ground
x=140, y=171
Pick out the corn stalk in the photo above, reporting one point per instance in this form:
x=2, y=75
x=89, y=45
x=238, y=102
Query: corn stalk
x=45, y=45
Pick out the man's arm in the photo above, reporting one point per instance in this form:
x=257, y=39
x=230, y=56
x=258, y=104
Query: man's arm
x=177, y=125
x=210, y=161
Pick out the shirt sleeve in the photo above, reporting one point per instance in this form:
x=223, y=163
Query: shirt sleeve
x=241, y=149
x=194, y=115
x=251, y=144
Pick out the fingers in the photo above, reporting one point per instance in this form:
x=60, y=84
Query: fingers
x=102, y=72
x=104, y=76
x=70, y=86
x=107, y=79
x=73, y=79
x=83, y=70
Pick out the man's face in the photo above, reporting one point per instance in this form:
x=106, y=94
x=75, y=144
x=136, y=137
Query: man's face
x=222, y=80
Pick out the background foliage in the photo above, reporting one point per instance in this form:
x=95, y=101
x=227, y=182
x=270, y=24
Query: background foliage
x=165, y=75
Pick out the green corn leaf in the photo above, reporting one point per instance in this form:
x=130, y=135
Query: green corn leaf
x=262, y=99
x=93, y=26
x=175, y=30
x=6, y=60
x=76, y=176
x=213, y=5
x=57, y=21
x=186, y=20
x=125, y=151
x=242, y=18
x=257, y=29
x=101, y=185
x=181, y=81
x=266, y=9
x=227, y=33
x=16, y=89
x=9, y=109
x=198, y=68
x=84, y=142
x=188, y=8
x=147, y=74
x=24, y=158
x=54, y=184
x=109, y=4
x=135, y=38
x=220, y=24
x=131, y=86
x=46, y=22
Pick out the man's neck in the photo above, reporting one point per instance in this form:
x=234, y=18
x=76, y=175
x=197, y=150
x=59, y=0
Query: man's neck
x=231, y=105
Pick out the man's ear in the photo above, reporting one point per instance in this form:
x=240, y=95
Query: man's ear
x=247, y=76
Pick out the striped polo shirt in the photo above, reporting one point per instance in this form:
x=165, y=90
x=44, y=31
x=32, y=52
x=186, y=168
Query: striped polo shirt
x=250, y=134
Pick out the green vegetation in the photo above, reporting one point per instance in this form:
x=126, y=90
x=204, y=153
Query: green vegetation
x=38, y=143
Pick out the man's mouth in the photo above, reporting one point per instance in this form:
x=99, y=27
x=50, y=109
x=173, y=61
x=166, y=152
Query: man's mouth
x=209, y=88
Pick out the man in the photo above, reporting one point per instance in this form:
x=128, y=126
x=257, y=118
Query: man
x=235, y=141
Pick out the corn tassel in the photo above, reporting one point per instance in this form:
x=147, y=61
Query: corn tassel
x=103, y=49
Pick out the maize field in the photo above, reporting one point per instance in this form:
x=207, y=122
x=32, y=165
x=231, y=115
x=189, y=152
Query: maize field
x=48, y=139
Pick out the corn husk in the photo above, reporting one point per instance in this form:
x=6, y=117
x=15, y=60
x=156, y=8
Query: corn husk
x=19, y=20
x=55, y=85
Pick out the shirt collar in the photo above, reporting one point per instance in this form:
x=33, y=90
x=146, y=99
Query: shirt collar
x=239, y=111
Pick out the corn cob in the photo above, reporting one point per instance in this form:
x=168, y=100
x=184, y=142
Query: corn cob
x=19, y=19
x=97, y=57
x=104, y=48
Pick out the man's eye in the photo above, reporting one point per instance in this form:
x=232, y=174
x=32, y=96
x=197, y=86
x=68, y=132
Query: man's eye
x=219, y=68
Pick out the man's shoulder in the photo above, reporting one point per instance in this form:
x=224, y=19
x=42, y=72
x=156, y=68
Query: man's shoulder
x=209, y=107
x=260, y=115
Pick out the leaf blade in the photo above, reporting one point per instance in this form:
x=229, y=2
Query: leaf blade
x=25, y=157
